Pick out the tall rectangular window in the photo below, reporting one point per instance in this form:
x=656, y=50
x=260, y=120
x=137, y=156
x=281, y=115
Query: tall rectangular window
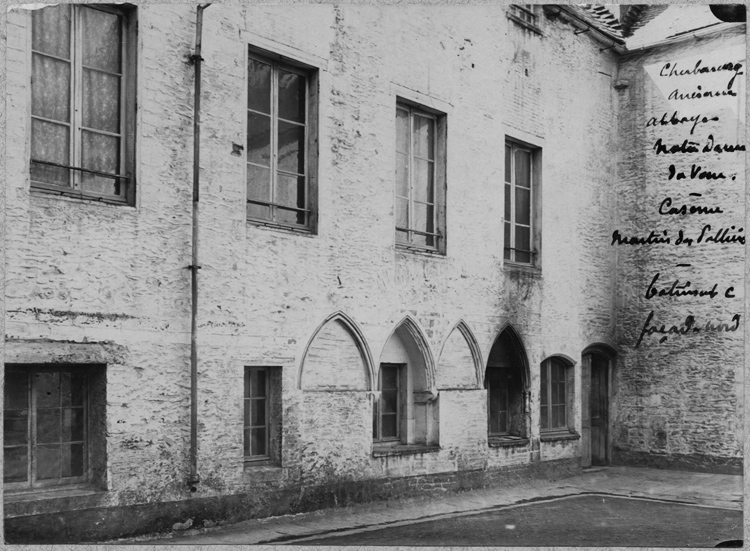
x=389, y=409
x=262, y=414
x=45, y=435
x=281, y=143
x=82, y=101
x=420, y=177
x=497, y=389
x=556, y=382
x=520, y=184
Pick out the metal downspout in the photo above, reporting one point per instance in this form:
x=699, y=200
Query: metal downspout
x=194, y=266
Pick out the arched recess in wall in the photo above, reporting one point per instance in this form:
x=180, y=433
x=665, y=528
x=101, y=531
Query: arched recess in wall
x=336, y=357
x=405, y=411
x=460, y=350
x=597, y=373
x=507, y=378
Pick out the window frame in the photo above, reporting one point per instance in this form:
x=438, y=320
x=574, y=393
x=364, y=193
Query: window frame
x=568, y=403
x=127, y=110
x=520, y=14
x=439, y=178
x=535, y=165
x=272, y=413
x=401, y=391
x=32, y=484
x=501, y=371
x=311, y=74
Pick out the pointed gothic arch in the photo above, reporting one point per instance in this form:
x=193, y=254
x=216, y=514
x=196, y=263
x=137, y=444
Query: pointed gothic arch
x=473, y=348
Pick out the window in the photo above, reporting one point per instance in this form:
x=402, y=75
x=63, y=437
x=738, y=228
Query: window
x=281, y=143
x=83, y=101
x=521, y=168
x=388, y=410
x=262, y=434
x=50, y=437
x=506, y=389
x=420, y=178
x=525, y=15
x=555, y=395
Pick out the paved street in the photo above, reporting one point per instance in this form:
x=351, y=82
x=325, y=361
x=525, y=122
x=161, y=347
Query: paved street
x=612, y=506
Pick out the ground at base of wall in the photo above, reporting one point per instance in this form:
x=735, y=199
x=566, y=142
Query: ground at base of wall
x=109, y=523
x=679, y=462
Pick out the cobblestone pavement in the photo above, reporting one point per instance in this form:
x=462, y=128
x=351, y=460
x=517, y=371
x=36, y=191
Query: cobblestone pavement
x=684, y=493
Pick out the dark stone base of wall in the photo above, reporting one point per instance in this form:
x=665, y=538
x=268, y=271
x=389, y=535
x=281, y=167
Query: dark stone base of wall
x=679, y=462
x=105, y=523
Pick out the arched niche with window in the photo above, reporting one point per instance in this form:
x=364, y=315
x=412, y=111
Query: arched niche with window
x=556, y=397
x=506, y=381
x=405, y=413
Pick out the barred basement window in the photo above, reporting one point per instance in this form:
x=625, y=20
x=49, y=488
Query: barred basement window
x=83, y=101
x=281, y=143
x=262, y=425
x=46, y=430
x=420, y=177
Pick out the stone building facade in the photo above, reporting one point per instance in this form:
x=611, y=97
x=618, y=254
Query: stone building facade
x=352, y=342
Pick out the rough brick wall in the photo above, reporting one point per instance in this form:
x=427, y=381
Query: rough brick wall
x=680, y=398
x=116, y=278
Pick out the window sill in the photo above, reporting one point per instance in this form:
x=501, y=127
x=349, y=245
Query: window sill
x=524, y=24
x=555, y=436
x=77, y=196
x=525, y=268
x=307, y=232
x=402, y=449
x=27, y=502
x=434, y=253
x=261, y=463
x=506, y=441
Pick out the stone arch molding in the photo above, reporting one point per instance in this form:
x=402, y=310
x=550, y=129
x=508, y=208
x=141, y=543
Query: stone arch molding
x=521, y=348
x=330, y=357
x=451, y=351
x=410, y=325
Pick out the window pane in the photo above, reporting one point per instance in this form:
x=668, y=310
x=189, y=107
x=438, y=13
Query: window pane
x=389, y=425
x=508, y=204
x=544, y=416
x=402, y=213
x=291, y=147
x=424, y=137
x=247, y=404
x=15, y=427
x=47, y=389
x=258, y=211
x=259, y=139
x=389, y=378
x=402, y=131
x=507, y=242
x=72, y=388
x=16, y=390
x=523, y=168
x=523, y=238
x=390, y=401
x=286, y=216
x=291, y=96
x=15, y=464
x=258, y=183
x=259, y=86
x=523, y=206
x=50, y=88
x=258, y=383
x=554, y=420
x=543, y=386
x=423, y=218
x=423, y=184
x=47, y=462
x=48, y=426
x=402, y=175
x=72, y=425
x=402, y=236
x=258, y=437
x=423, y=240
x=258, y=413
x=507, y=163
x=100, y=152
x=72, y=460
x=102, y=44
x=291, y=191
x=50, y=30
x=50, y=142
x=101, y=101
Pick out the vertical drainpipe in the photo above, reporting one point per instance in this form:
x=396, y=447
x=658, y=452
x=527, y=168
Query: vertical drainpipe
x=196, y=58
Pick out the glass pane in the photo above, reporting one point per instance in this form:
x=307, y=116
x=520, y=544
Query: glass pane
x=507, y=242
x=47, y=389
x=72, y=425
x=424, y=137
x=15, y=464
x=390, y=401
x=423, y=219
x=389, y=425
x=389, y=378
x=523, y=206
x=15, y=426
x=259, y=139
x=561, y=416
x=291, y=147
x=258, y=86
x=543, y=387
x=291, y=96
x=507, y=163
x=72, y=388
x=101, y=101
x=100, y=152
x=523, y=168
x=423, y=240
x=16, y=390
x=402, y=175
x=423, y=183
x=502, y=421
x=102, y=46
x=258, y=437
x=402, y=213
x=72, y=460
x=258, y=211
x=545, y=417
x=285, y=216
x=402, y=131
x=402, y=236
x=507, y=203
x=291, y=191
x=523, y=238
x=259, y=413
x=50, y=30
x=48, y=426
x=50, y=88
x=50, y=142
x=258, y=183
x=375, y=420
x=47, y=462
x=247, y=404
x=247, y=442
x=555, y=419
x=258, y=380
